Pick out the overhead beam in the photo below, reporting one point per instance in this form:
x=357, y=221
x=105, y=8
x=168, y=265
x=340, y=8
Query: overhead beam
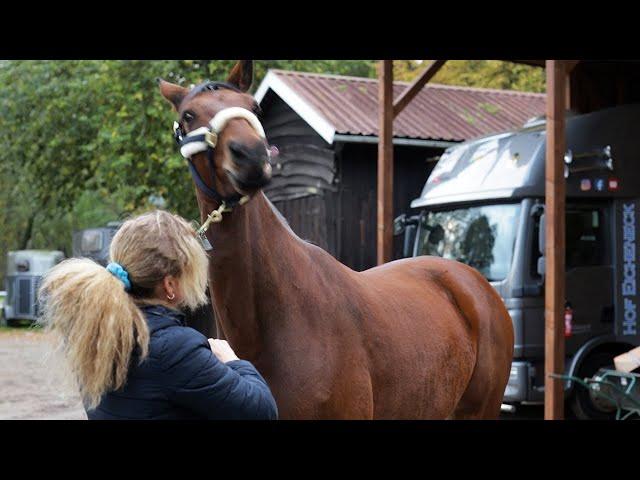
x=570, y=65
x=531, y=63
x=556, y=72
x=385, y=163
x=411, y=91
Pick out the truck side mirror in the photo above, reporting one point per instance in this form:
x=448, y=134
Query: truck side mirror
x=541, y=266
x=399, y=224
x=409, y=240
x=541, y=235
x=408, y=226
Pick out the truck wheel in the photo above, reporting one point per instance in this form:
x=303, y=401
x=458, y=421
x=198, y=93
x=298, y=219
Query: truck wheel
x=582, y=404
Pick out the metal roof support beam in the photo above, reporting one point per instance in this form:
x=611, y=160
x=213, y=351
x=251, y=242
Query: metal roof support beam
x=413, y=89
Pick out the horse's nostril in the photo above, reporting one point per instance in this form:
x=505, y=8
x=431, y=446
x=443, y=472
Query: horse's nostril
x=243, y=154
x=237, y=149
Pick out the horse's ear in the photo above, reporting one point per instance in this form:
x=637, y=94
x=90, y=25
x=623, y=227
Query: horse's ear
x=172, y=92
x=242, y=75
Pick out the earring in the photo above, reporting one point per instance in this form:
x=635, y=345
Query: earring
x=173, y=295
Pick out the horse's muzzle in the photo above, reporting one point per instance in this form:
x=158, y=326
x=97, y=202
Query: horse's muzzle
x=252, y=168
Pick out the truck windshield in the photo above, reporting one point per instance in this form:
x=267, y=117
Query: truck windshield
x=482, y=237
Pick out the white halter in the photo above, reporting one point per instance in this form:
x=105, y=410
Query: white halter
x=207, y=137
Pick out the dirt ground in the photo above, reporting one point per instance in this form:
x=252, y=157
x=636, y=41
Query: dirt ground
x=29, y=388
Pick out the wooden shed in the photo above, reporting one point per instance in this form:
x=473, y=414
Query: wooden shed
x=326, y=128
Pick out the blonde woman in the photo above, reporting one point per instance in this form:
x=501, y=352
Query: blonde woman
x=122, y=333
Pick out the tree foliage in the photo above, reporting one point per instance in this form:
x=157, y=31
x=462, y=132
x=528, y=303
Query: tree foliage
x=88, y=141
x=477, y=73
x=85, y=142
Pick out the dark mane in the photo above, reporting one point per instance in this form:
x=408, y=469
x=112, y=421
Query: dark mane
x=210, y=86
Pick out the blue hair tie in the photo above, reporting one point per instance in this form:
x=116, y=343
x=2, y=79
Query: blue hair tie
x=120, y=273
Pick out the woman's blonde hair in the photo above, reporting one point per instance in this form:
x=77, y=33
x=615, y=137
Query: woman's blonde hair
x=97, y=323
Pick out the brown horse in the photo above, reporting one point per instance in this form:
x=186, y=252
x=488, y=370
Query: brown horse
x=420, y=338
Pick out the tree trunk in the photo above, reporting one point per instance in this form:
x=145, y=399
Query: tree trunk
x=28, y=232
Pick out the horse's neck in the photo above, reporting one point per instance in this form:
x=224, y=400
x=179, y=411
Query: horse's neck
x=255, y=257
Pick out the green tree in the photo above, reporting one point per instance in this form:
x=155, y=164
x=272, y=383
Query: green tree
x=480, y=73
x=87, y=141
x=407, y=70
x=84, y=142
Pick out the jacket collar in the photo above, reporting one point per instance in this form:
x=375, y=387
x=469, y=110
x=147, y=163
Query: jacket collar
x=159, y=317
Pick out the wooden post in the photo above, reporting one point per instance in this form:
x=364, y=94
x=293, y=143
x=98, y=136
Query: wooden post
x=555, y=240
x=569, y=66
x=385, y=162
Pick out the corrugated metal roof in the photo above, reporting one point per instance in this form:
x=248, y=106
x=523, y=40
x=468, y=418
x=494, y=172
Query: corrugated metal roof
x=437, y=112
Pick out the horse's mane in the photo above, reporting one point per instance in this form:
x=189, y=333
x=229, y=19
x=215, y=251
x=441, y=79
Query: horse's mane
x=280, y=216
x=210, y=86
x=286, y=224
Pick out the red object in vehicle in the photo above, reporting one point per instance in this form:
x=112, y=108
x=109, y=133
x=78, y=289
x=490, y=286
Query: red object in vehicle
x=568, y=321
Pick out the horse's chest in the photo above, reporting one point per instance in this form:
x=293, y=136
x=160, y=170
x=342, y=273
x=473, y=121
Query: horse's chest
x=321, y=380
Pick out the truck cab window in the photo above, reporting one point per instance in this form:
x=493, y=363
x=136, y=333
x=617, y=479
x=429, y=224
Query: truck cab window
x=585, y=237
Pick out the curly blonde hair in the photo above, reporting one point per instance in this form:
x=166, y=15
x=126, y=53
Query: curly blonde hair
x=97, y=323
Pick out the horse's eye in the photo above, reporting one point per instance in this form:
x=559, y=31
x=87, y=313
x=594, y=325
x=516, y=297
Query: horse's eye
x=188, y=116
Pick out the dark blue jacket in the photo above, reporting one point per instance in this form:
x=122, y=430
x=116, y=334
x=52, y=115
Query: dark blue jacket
x=182, y=379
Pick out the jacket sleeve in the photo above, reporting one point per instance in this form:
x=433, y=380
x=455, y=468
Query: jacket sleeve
x=216, y=390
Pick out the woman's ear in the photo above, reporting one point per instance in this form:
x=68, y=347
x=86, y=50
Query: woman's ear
x=170, y=286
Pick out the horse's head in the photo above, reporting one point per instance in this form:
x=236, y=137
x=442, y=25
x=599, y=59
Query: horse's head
x=220, y=134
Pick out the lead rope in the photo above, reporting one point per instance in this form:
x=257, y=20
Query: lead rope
x=215, y=217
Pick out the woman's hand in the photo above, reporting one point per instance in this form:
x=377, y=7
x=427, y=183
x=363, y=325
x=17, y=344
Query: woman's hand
x=222, y=350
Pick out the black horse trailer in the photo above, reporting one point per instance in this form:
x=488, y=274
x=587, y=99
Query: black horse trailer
x=25, y=269
x=483, y=205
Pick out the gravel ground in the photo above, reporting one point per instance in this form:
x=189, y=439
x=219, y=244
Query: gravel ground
x=29, y=389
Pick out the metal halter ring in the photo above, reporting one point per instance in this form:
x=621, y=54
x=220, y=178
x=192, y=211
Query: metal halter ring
x=211, y=138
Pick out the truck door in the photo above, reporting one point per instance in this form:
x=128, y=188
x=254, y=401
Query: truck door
x=589, y=271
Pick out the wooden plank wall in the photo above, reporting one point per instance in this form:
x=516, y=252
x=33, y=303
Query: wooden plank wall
x=357, y=168
x=341, y=216
x=594, y=86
